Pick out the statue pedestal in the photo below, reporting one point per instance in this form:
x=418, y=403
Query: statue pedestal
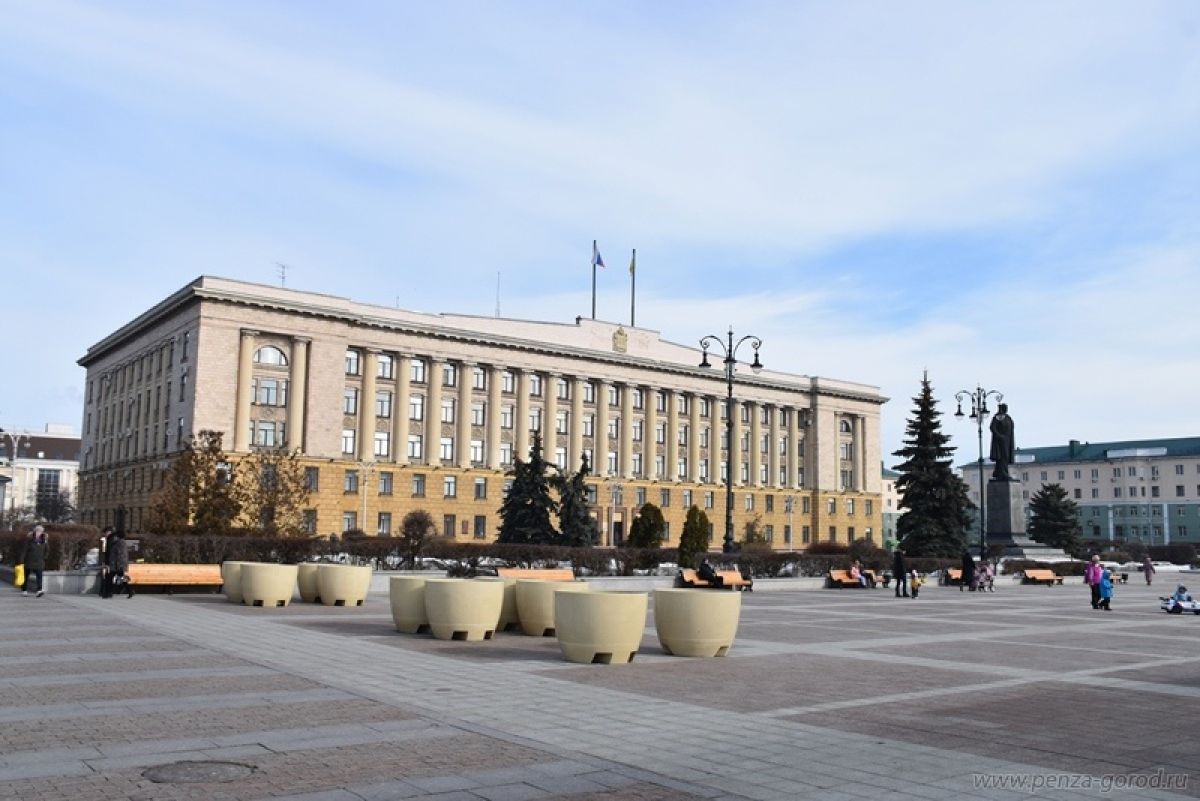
x=1006, y=524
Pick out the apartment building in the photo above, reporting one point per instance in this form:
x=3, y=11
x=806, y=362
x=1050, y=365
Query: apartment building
x=395, y=410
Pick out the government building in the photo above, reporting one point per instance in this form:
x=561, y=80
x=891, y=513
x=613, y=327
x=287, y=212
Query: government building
x=1145, y=490
x=394, y=410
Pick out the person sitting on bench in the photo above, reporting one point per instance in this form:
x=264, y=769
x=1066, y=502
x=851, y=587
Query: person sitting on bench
x=706, y=573
x=856, y=573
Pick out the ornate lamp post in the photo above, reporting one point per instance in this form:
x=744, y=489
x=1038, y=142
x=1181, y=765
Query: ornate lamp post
x=978, y=399
x=729, y=349
x=16, y=441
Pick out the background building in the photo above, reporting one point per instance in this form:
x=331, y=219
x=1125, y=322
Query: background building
x=43, y=469
x=1145, y=490
x=396, y=410
x=891, y=505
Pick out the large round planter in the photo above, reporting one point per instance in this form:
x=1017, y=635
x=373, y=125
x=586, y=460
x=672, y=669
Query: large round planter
x=463, y=609
x=306, y=580
x=600, y=627
x=231, y=580
x=509, y=619
x=535, y=604
x=268, y=584
x=343, y=585
x=696, y=622
x=407, y=596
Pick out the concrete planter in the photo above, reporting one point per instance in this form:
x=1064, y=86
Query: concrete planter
x=535, y=604
x=407, y=596
x=306, y=581
x=268, y=585
x=231, y=580
x=509, y=619
x=600, y=627
x=463, y=609
x=696, y=622
x=343, y=585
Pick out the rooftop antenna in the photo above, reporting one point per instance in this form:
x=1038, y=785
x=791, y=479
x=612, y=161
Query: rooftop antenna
x=497, y=293
x=283, y=268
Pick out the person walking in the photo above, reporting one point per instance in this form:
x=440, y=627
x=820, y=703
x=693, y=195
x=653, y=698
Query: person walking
x=118, y=561
x=1092, y=575
x=1106, y=591
x=968, y=571
x=1148, y=569
x=35, y=560
x=900, y=573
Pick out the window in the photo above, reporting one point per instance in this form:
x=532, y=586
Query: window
x=1179, y=470
x=479, y=378
x=589, y=392
x=844, y=427
x=709, y=500
x=448, y=410
x=831, y=506
x=639, y=497
x=749, y=502
x=844, y=453
x=418, y=485
x=449, y=486
x=416, y=371
x=660, y=433
x=850, y=506
x=1154, y=491
x=682, y=436
x=613, y=426
x=847, y=479
x=349, y=521
x=664, y=498
x=833, y=533
x=506, y=417
x=350, y=401
x=385, y=367
x=805, y=535
x=705, y=409
x=383, y=443
x=1178, y=490
x=1077, y=474
x=508, y=382
x=560, y=458
x=1062, y=474
x=309, y=523
x=589, y=425
x=416, y=407
x=348, y=435
x=1116, y=472
x=416, y=449
x=1095, y=493
x=269, y=392
x=447, y=449
x=535, y=385
x=506, y=453
x=448, y=524
x=868, y=507
x=385, y=483
x=383, y=404
x=353, y=366
x=449, y=375
x=480, y=489
x=787, y=533
x=636, y=397
x=560, y=423
x=480, y=532
x=770, y=501
x=478, y=414
x=312, y=478
x=563, y=389
x=267, y=355
x=350, y=481
x=535, y=419
x=687, y=499
x=385, y=524
x=1116, y=492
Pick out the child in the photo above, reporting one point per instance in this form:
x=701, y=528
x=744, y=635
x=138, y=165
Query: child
x=914, y=583
x=1106, y=591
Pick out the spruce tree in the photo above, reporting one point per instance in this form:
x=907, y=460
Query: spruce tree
x=938, y=508
x=648, y=527
x=525, y=512
x=693, y=540
x=575, y=523
x=1054, y=518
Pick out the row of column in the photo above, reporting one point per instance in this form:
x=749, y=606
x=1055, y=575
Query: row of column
x=432, y=424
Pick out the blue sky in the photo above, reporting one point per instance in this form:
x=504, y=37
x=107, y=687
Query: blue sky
x=1001, y=193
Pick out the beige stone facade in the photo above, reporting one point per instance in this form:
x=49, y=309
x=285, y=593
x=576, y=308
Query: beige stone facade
x=397, y=410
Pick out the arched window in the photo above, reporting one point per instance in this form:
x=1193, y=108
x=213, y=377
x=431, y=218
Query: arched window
x=269, y=354
x=844, y=427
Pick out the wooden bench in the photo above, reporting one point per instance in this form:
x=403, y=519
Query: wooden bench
x=952, y=575
x=841, y=578
x=734, y=580
x=691, y=578
x=1047, y=577
x=168, y=576
x=539, y=574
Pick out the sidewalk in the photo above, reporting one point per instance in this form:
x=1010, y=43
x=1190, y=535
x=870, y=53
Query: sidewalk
x=826, y=695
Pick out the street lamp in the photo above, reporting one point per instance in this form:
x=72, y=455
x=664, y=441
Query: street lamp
x=730, y=351
x=15, y=442
x=979, y=413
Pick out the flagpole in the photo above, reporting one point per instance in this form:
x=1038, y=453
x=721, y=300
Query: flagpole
x=593, y=279
x=632, y=287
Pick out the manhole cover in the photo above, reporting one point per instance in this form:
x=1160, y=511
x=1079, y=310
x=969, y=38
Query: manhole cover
x=196, y=772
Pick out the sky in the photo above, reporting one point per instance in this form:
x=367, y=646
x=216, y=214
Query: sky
x=1003, y=194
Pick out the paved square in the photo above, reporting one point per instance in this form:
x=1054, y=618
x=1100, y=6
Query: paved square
x=826, y=695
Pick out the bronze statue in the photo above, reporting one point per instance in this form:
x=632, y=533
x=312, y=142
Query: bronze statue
x=1003, y=444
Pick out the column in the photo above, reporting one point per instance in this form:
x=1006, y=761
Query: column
x=860, y=451
x=793, y=448
x=297, y=389
x=521, y=423
x=492, y=446
x=600, y=441
x=550, y=415
x=650, y=434
x=694, y=438
x=366, y=408
x=245, y=378
x=672, y=455
x=625, y=459
x=755, y=444
x=735, y=442
x=433, y=412
x=575, y=447
x=400, y=410
x=462, y=436
x=773, y=450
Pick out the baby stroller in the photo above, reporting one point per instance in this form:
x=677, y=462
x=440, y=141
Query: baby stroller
x=985, y=579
